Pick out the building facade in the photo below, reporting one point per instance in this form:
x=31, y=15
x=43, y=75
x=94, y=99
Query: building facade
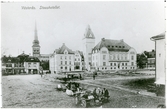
x=62, y=60
x=32, y=65
x=66, y=60
x=160, y=59
x=88, y=44
x=79, y=63
x=113, y=55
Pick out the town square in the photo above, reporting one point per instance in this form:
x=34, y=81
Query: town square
x=83, y=54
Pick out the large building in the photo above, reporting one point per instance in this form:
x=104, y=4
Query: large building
x=113, y=55
x=36, y=48
x=107, y=54
x=66, y=60
x=88, y=44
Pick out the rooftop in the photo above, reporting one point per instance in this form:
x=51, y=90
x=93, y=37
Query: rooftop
x=112, y=45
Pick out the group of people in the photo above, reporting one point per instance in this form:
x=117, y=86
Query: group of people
x=98, y=93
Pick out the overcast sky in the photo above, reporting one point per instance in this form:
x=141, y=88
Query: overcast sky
x=135, y=22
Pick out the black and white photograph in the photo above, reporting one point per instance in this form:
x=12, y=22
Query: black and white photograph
x=83, y=54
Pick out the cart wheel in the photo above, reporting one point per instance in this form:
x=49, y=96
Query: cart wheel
x=83, y=103
x=92, y=103
x=76, y=100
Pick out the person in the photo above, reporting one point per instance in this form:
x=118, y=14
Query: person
x=93, y=76
x=106, y=94
x=41, y=73
x=80, y=76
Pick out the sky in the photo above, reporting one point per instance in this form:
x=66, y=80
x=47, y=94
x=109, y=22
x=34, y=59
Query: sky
x=134, y=22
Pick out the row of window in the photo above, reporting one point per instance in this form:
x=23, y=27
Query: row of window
x=65, y=57
x=36, y=50
x=115, y=57
x=114, y=64
x=115, y=68
x=75, y=63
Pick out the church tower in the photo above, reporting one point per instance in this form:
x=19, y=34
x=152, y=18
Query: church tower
x=36, y=46
x=88, y=44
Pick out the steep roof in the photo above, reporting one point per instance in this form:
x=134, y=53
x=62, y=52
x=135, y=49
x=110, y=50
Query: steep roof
x=81, y=54
x=32, y=59
x=89, y=33
x=22, y=55
x=112, y=45
x=62, y=49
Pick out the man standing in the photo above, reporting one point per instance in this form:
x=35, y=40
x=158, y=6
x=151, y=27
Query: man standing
x=94, y=74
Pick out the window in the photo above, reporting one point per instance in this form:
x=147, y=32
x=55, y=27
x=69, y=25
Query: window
x=61, y=62
x=119, y=46
x=132, y=57
x=65, y=57
x=118, y=57
x=60, y=57
x=78, y=59
x=125, y=63
x=93, y=57
x=122, y=64
x=122, y=67
x=104, y=63
x=111, y=67
x=114, y=64
x=66, y=68
x=75, y=59
x=69, y=57
x=110, y=64
x=104, y=57
x=70, y=62
x=132, y=63
x=105, y=67
x=65, y=62
x=104, y=51
x=126, y=67
x=114, y=67
x=61, y=67
x=123, y=46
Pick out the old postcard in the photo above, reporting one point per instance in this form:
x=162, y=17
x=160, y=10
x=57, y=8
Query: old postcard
x=87, y=54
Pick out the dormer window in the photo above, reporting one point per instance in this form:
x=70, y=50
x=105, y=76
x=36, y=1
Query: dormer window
x=116, y=46
x=123, y=46
x=119, y=46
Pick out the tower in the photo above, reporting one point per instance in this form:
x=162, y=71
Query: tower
x=36, y=46
x=88, y=44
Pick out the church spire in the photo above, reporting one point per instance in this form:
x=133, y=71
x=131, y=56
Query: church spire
x=36, y=36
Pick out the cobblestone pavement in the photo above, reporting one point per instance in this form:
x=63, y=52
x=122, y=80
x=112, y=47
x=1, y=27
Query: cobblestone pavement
x=32, y=91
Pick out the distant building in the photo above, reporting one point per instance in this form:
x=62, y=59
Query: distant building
x=150, y=63
x=66, y=60
x=36, y=48
x=62, y=60
x=79, y=63
x=32, y=65
x=160, y=60
x=113, y=55
x=88, y=44
x=21, y=64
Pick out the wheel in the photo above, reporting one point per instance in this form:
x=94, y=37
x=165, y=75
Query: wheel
x=92, y=103
x=83, y=103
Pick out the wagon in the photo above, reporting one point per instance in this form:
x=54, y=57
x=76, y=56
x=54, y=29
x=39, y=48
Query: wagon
x=86, y=98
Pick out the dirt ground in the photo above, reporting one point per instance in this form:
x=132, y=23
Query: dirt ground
x=32, y=91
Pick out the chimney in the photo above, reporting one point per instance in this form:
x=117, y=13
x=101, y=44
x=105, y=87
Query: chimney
x=121, y=40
